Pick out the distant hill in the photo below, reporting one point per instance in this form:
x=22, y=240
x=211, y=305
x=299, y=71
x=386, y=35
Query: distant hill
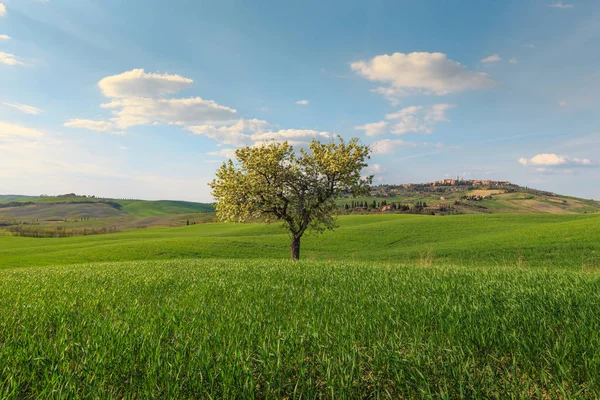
x=12, y=197
x=457, y=196
x=74, y=208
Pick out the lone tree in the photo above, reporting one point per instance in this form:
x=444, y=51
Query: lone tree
x=274, y=183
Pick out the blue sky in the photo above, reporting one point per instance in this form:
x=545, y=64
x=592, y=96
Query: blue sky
x=144, y=99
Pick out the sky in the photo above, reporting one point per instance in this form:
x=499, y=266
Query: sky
x=145, y=99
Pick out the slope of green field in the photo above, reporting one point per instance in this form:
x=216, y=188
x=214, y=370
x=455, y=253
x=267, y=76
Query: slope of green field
x=13, y=197
x=142, y=208
x=525, y=202
x=541, y=241
x=74, y=207
x=272, y=329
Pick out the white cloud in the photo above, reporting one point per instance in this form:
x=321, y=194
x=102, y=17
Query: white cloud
x=4, y=37
x=285, y=134
x=513, y=61
x=24, y=108
x=92, y=125
x=138, y=83
x=389, y=146
x=8, y=130
x=375, y=169
x=226, y=153
x=302, y=102
x=428, y=73
x=554, y=160
x=236, y=134
x=2, y=10
x=132, y=111
x=563, y=103
x=140, y=98
x=418, y=119
x=529, y=46
x=9, y=59
x=374, y=128
x=491, y=59
x=560, y=4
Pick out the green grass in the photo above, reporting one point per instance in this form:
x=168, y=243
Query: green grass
x=271, y=329
x=141, y=208
x=138, y=208
x=13, y=197
x=386, y=306
x=569, y=242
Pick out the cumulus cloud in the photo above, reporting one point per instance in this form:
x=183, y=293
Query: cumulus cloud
x=373, y=169
x=563, y=103
x=226, y=153
x=2, y=10
x=286, y=134
x=302, y=102
x=513, y=61
x=389, y=146
x=9, y=59
x=92, y=125
x=8, y=131
x=24, y=108
x=236, y=134
x=138, y=83
x=134, y=111
x=560, y=4
x=4, y=37
x=554, y=160
x=253, y=132
x=427, y=73
x=491, y=59
x=139, y=98
x=417, y=119
x=374, y=128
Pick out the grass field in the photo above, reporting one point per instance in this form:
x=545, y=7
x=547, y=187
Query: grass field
x=138, y=208
x=264, y=329
x=537, y=241
x=387, y=306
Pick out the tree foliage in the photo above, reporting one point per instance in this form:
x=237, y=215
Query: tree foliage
x=273, y=182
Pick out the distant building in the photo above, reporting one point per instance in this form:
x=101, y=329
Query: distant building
x=387, y=207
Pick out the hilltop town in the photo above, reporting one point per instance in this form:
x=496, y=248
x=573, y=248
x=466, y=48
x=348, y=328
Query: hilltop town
x=461, y=196
x=444, y=186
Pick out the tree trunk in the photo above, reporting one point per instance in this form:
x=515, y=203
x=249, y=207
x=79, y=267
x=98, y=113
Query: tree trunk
x=295, y=249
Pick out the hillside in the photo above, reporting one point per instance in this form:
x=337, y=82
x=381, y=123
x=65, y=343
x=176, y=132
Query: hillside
x=71, y=214
x=455, y=196
x=12, y=197
x=538, y=241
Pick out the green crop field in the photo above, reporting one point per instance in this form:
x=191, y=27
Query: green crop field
x=541, y=241
x=386, y=306
x=264, y=329
x=141, y=208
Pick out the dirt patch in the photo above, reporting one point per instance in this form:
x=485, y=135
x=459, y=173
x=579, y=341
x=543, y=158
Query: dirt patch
x=484, y=193
x=542, y=207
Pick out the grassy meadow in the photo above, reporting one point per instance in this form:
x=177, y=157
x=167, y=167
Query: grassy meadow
x=386, y=306
x=538, y=241
x=270, y=329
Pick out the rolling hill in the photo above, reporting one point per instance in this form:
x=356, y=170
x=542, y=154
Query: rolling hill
x=72, y=215
x=451, y=196
x=538, y=241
